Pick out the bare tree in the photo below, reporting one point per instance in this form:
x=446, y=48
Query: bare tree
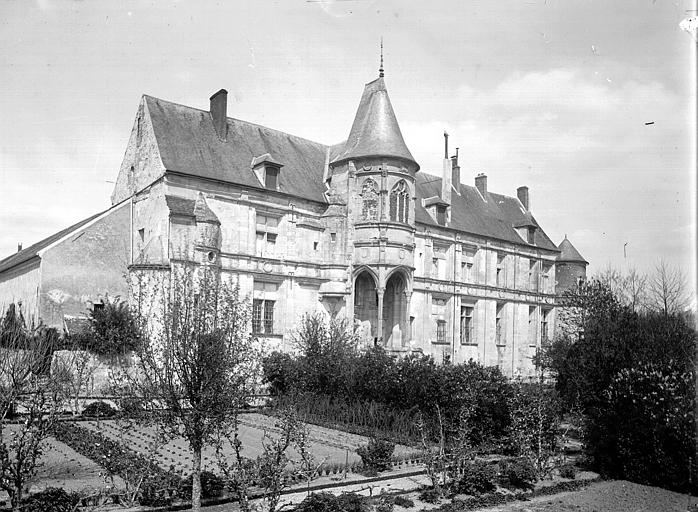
x=197, y=362
x=667, y=289
x=630, y=288
x=35, y=393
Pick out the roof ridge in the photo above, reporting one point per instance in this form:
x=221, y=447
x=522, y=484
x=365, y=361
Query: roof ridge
x=243, y=121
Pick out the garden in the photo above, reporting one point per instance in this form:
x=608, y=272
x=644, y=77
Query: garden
x=613, y=398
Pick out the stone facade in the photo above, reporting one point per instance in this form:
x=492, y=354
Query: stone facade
x=419, y=262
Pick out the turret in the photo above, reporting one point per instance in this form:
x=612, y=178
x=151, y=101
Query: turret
x=571, y=267
x=208, y=233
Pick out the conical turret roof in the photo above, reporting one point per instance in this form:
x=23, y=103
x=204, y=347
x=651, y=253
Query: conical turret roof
x=202, y=212
x=375, y=131
x=568, y=253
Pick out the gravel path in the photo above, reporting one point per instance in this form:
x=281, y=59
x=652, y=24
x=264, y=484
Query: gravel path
x=613, y=496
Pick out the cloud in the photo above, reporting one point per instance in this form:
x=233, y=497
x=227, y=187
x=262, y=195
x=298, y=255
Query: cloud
x=595, y=169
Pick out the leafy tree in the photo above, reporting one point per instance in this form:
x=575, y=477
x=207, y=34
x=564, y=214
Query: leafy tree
x=198, y=363
x=326, y=346
x=113, y=328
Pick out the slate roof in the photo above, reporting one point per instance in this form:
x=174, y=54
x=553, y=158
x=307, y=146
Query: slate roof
x=495, y=218
x=202, y=212
x=33, y=250
x=375, y=131
x=179, y=205
x=568, y=253
x=188, y=143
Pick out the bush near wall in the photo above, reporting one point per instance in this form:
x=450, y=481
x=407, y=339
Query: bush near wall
x=374, y=390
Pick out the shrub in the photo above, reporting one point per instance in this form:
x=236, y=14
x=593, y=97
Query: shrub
x=211, y=485
x=327, y=502
x=99, y=410
x=430, y=495
x=159, y=490
x=131, y=407
x=402, y=501
x=644, y=428
x=52, y=499
x=376, y=456
x=518, y=473
x=478, y=477
x=568, y=471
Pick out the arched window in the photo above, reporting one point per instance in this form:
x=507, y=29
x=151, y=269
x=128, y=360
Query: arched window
x=400, y=202
x=369, y=194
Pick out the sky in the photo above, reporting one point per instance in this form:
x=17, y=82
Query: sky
x=591, y=104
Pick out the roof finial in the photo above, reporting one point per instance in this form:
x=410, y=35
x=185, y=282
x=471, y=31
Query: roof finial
x=380, y=70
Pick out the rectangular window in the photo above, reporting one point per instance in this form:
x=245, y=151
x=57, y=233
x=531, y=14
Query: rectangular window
x=257, y=311
x=267, y=227
x=441, y=331
x=468, y=255
x=333, y=237
x=265, y=295
x=271, y=178
x=532, y=325
x=501, y=270
x=545, y=279
x=544, y=334
x=441, y=215
x=533, y=275
x=499, y=324
x=466, y=325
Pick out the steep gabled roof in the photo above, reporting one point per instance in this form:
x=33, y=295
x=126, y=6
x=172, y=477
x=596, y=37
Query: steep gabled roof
x=569, y=254
x=375, y=131
x=33, y=250
x=188, y=144
x=495, y=218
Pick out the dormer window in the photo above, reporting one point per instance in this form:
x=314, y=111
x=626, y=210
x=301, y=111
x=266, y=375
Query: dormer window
x=531, y=234
x=441, y=215
x=438, y=209
x=271, y=177
x=266, y=168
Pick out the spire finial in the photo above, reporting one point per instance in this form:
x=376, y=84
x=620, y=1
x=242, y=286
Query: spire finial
x=380, y=70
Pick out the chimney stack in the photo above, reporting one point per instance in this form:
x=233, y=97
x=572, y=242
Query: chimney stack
x=447, y=174
x=481, y=184
x=522, y=194
x=219, y=113
x=19, y=246
x=455, y=171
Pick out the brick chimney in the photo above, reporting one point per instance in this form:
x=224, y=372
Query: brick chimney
x=455, y=171
x=481, y=184
x=19, y=246
x=219, y=113
x=522, y=194
x=447, y=174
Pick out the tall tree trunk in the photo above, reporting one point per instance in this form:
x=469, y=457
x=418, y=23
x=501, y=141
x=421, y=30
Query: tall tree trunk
x=196, y=481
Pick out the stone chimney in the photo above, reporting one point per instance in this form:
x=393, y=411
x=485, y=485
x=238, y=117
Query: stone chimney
x=447, y=174
x=19, y=246
x=219, y=113
x=481, y=184
x=455, y=171
x=522, y=194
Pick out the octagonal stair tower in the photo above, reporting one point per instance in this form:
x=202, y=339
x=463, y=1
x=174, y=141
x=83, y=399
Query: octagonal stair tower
x=373, y=173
